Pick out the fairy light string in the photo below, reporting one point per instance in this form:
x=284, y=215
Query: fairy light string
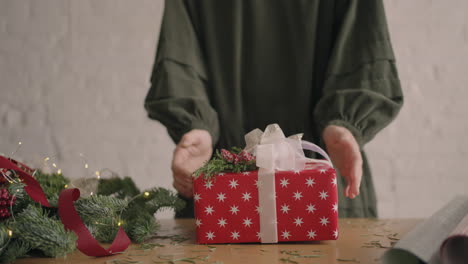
x=29, y=180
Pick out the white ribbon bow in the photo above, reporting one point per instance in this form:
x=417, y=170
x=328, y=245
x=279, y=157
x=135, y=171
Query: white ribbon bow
x=274, y=151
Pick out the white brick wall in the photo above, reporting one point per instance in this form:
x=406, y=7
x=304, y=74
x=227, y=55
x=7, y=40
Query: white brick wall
x=74, y=73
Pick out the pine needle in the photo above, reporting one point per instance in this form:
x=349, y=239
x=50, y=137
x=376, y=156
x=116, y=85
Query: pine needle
x=348, y=260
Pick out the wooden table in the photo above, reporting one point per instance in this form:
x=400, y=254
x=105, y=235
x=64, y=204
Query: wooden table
x=361, y=241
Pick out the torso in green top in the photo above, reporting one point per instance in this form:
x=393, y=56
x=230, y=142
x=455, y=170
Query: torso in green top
x=233, y=66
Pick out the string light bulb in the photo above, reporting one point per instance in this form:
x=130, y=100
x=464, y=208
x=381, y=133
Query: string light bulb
x=59, y=171
x=120, y=223
x=86, y=165
x=66, y=186
x=146, y=194
x=47, y=159
x=55, y=165
x=98, y=175
x=10, y=233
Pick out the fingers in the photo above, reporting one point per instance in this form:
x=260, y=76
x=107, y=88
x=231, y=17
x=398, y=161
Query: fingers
x=352, y=189
x=346, y=155
x=183, y=179
x=183, y=190
x=188, y=140
x=193, y=149
x=353, y=176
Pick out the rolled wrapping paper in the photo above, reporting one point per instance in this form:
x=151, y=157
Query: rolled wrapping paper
x=273, y=152
x=454, y=250
x=427, y=241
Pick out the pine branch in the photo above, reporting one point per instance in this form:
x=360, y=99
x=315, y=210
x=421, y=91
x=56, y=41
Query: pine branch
x=142, y=228
x=95, y=207
x=43, y=232
x=159, y=198
x=51, y=183
x=219, y=164
x=101, y=214
x=139, y=216
x=120, y=188
x=17, y=248
x=4, y=237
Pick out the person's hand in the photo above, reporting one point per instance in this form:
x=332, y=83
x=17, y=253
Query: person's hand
x=192, y=151
x=346, y=156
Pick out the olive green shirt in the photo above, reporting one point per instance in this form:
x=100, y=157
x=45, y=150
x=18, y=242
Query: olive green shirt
x=235, y=65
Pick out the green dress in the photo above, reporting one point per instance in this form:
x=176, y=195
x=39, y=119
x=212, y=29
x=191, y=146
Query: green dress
x=235, y=65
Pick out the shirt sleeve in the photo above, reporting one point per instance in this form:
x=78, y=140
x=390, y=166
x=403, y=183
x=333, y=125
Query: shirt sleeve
x=361, y=89
x=178, y=94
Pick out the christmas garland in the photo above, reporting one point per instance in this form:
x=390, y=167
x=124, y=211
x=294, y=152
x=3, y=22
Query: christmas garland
x=27, y=227
x=236, y=160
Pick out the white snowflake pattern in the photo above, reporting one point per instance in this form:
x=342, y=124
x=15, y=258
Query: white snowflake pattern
x=310, y=208
x=298, y=221
x=247, y=222
x=208, y=184
x=259, y=235
x=323, y=195
x=311, y=234
x=210, y=235
x=310, y=182
x=235, y=235
x=196, y=197
x=297, y=195
x=297, y=172
x=285, y=208
x=258, y=209
x=323, y=171
x=285, y=234
x=335, y=234
x=284, y=182
x=209, y=210
x=258, y=183
x=246, y=173
x=221, y=197
x=246, y=196
x=221, y=174
x=324, y=221
x=335, y=207
x=272, y=196
x=233, y=184
x=222, y=222
x=198, y=222
x=234, y=209
x=333, y=181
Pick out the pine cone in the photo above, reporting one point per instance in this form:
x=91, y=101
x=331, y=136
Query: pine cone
x=245, y=156
x=227, y=155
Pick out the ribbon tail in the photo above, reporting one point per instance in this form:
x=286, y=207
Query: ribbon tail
x=86, y=243
x=310, y=146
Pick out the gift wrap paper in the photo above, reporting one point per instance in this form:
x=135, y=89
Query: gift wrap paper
x=227, y=206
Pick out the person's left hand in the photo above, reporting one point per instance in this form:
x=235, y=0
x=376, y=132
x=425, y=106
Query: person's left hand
x=346, y=156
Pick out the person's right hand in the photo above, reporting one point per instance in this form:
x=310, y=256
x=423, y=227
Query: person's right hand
x=193, y=150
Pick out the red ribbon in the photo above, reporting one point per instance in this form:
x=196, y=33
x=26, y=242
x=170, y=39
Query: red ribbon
x=33, y=188
x=86, y=243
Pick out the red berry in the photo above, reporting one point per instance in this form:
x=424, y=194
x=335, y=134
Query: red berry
x=5, y=202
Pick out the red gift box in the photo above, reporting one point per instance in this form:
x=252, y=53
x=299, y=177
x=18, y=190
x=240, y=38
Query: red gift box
x=227, y=206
